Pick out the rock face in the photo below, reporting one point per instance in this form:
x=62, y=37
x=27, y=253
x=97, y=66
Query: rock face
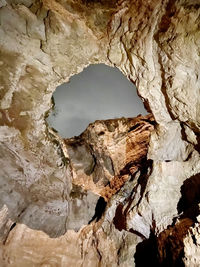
x=104, y=157
x=125, y=188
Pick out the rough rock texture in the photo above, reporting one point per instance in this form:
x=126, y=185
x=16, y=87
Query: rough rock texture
x=125, y=188
x=104, y=157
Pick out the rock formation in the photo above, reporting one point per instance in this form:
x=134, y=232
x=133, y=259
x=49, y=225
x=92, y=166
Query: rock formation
x=126, y=192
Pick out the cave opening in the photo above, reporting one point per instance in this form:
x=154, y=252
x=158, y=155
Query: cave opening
x=99, y=92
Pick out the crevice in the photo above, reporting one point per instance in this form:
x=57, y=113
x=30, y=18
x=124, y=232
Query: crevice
x=194, y=240
x=120, y=218
x=22, y=211
x=99, y=210
x=145, y=174
x=136, y=126
x=11, y=228
x=188, y=204
x=146, y=253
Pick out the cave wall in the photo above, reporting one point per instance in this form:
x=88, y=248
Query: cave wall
x=48, y=190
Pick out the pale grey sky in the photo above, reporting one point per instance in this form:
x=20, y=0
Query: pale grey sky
x=99, y=92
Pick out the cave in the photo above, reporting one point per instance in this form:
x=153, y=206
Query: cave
x=124, y=189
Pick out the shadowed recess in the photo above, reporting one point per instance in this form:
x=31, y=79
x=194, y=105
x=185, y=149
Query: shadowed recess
x=99, y=210
x=99, y=92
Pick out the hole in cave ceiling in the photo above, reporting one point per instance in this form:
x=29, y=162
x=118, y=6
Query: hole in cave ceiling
x=99, y=92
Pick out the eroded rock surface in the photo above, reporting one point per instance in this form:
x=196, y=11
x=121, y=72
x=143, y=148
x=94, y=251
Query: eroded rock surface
x=124, y=186
x=104, y=157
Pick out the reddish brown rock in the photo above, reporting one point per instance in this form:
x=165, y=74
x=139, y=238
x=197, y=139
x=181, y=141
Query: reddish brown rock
x=44, y=181
x=104, y=157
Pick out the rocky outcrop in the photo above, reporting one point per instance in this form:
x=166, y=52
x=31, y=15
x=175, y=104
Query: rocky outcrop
x=126, y=186
x=104, y=157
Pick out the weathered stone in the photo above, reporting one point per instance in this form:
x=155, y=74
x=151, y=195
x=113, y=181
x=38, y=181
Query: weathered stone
x=145, y=174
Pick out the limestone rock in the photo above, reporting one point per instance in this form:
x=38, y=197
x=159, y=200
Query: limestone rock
x=104, y=156
x=192, y=246
x=124, y=186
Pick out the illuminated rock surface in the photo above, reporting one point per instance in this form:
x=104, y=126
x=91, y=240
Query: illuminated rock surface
x=126, y=192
